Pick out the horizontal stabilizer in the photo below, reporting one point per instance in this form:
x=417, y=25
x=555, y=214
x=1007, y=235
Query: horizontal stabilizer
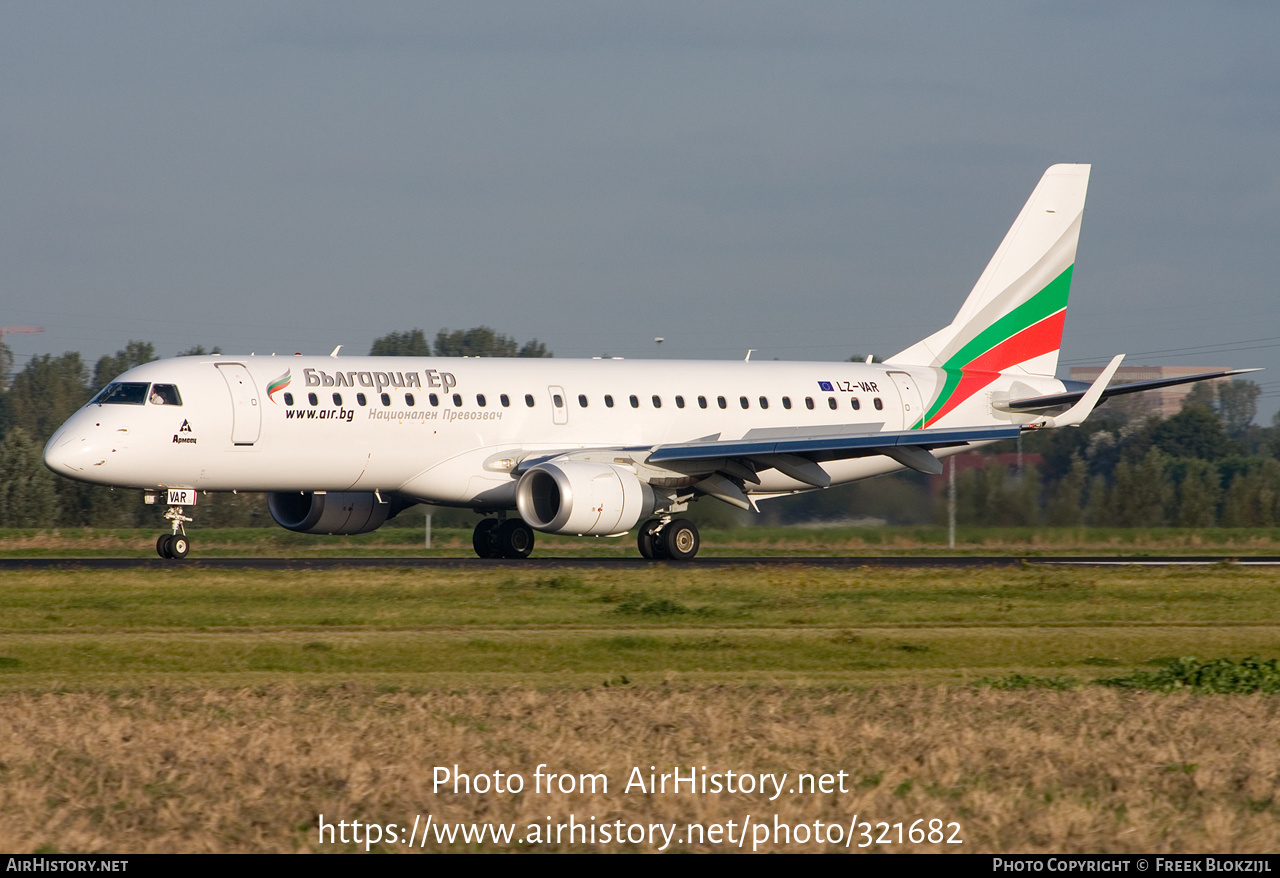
x=1033, y=403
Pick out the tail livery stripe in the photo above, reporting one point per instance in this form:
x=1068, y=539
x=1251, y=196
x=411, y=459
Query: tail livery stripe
x=1031, y=330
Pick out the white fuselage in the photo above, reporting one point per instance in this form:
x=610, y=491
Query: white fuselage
x=450, y=431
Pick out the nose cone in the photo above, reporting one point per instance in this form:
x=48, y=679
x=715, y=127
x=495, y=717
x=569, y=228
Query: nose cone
x=76, y=450
x=62, y=452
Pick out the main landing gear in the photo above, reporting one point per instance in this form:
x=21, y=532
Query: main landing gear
x=174, y=546
x=502, y=538
x=668, y=540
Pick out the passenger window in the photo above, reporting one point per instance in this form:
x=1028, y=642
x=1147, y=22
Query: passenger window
x=742, y=401
x=608, y=401
x=856, y=403
x=165, y=394
x=457, y=400
x=386, y=399
x=764, y=402
x=288, y=399
x=808, y=403
x=360, y=398
x=702, y=402
x=311, y=398
x=657, y=401
x=505, y=400
x=433, y=399
x=877, y=403
x=528, y=400
x=720, y=401
x=480, y=400
x=786, y=402
x=337, y=399
x=831, y=401
x=635, y=401
x=557, y=400
x=408, y=399
x=582, y=400
x=679, y=402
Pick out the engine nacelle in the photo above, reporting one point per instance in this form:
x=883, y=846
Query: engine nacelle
x=580, y=497
x=342, y=512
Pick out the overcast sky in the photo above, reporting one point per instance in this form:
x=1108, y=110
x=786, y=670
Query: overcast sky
x=812, y=180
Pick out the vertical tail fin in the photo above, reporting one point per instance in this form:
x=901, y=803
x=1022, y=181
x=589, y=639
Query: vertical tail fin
x=1012, y=320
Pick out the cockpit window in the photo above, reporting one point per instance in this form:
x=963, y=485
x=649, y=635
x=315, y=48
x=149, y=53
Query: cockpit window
x=165, y=394
x=123, y=393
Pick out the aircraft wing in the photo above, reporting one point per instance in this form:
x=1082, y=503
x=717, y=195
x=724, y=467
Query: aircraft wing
x=790, y=449
x=1034, y=403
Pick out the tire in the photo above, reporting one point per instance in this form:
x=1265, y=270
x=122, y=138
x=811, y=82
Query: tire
x=647, y=540
x=164, y=545
x=179, y=545
x=515, y=539
x=482, y=538
x=680, y=540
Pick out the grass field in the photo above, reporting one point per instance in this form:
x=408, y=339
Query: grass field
x=740, y=542
x=185, y=709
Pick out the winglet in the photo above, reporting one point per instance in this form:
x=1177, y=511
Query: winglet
x=1075, y=415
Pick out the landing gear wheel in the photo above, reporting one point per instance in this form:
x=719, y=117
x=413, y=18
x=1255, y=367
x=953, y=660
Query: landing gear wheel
x=483, y=538
x=649, y=540
x=179, y=546
x=680, y=539
x=164, y=545
x=515, y=539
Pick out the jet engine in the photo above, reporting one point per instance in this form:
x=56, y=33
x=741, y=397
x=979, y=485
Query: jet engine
x=316, y=512
x=584, y=498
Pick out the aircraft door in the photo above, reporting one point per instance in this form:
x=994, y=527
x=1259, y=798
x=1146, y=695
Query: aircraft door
x=246, y=416
x=912, y=407
x=559, y=405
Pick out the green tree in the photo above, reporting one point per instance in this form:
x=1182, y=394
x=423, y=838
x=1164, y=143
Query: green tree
x=1142, y=492
x=482, y=341
x=1066, y=501
x=45, y=393
x=1098, y=511
x=533, y=348
x=1254, y=496
x=108, y=368
x=1194, y=432
x=990, y=495
x=1198, y=495
x=1238, y=405
x=199, y=351
x=1203, y=394
x=411, y=343
x=28, y=491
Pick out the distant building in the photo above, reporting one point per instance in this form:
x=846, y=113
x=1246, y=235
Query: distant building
x=1165, y=402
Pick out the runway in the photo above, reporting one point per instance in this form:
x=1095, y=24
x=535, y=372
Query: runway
x=954, y=562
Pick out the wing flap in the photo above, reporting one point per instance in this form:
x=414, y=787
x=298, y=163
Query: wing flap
x=833, y=447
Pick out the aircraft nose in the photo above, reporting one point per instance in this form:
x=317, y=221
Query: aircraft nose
x=74, y=449
x=64, y=451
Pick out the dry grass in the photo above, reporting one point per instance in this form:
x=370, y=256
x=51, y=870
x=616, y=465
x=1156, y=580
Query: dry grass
x=220, y=770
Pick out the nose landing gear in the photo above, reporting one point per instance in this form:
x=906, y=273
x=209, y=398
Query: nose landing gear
x=174, y=545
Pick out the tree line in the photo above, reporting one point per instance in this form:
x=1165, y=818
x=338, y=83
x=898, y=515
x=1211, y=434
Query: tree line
x=1208, y=465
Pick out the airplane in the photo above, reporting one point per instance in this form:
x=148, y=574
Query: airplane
x=340, y=445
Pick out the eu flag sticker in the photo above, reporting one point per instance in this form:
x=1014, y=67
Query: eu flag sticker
x=825, y=385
